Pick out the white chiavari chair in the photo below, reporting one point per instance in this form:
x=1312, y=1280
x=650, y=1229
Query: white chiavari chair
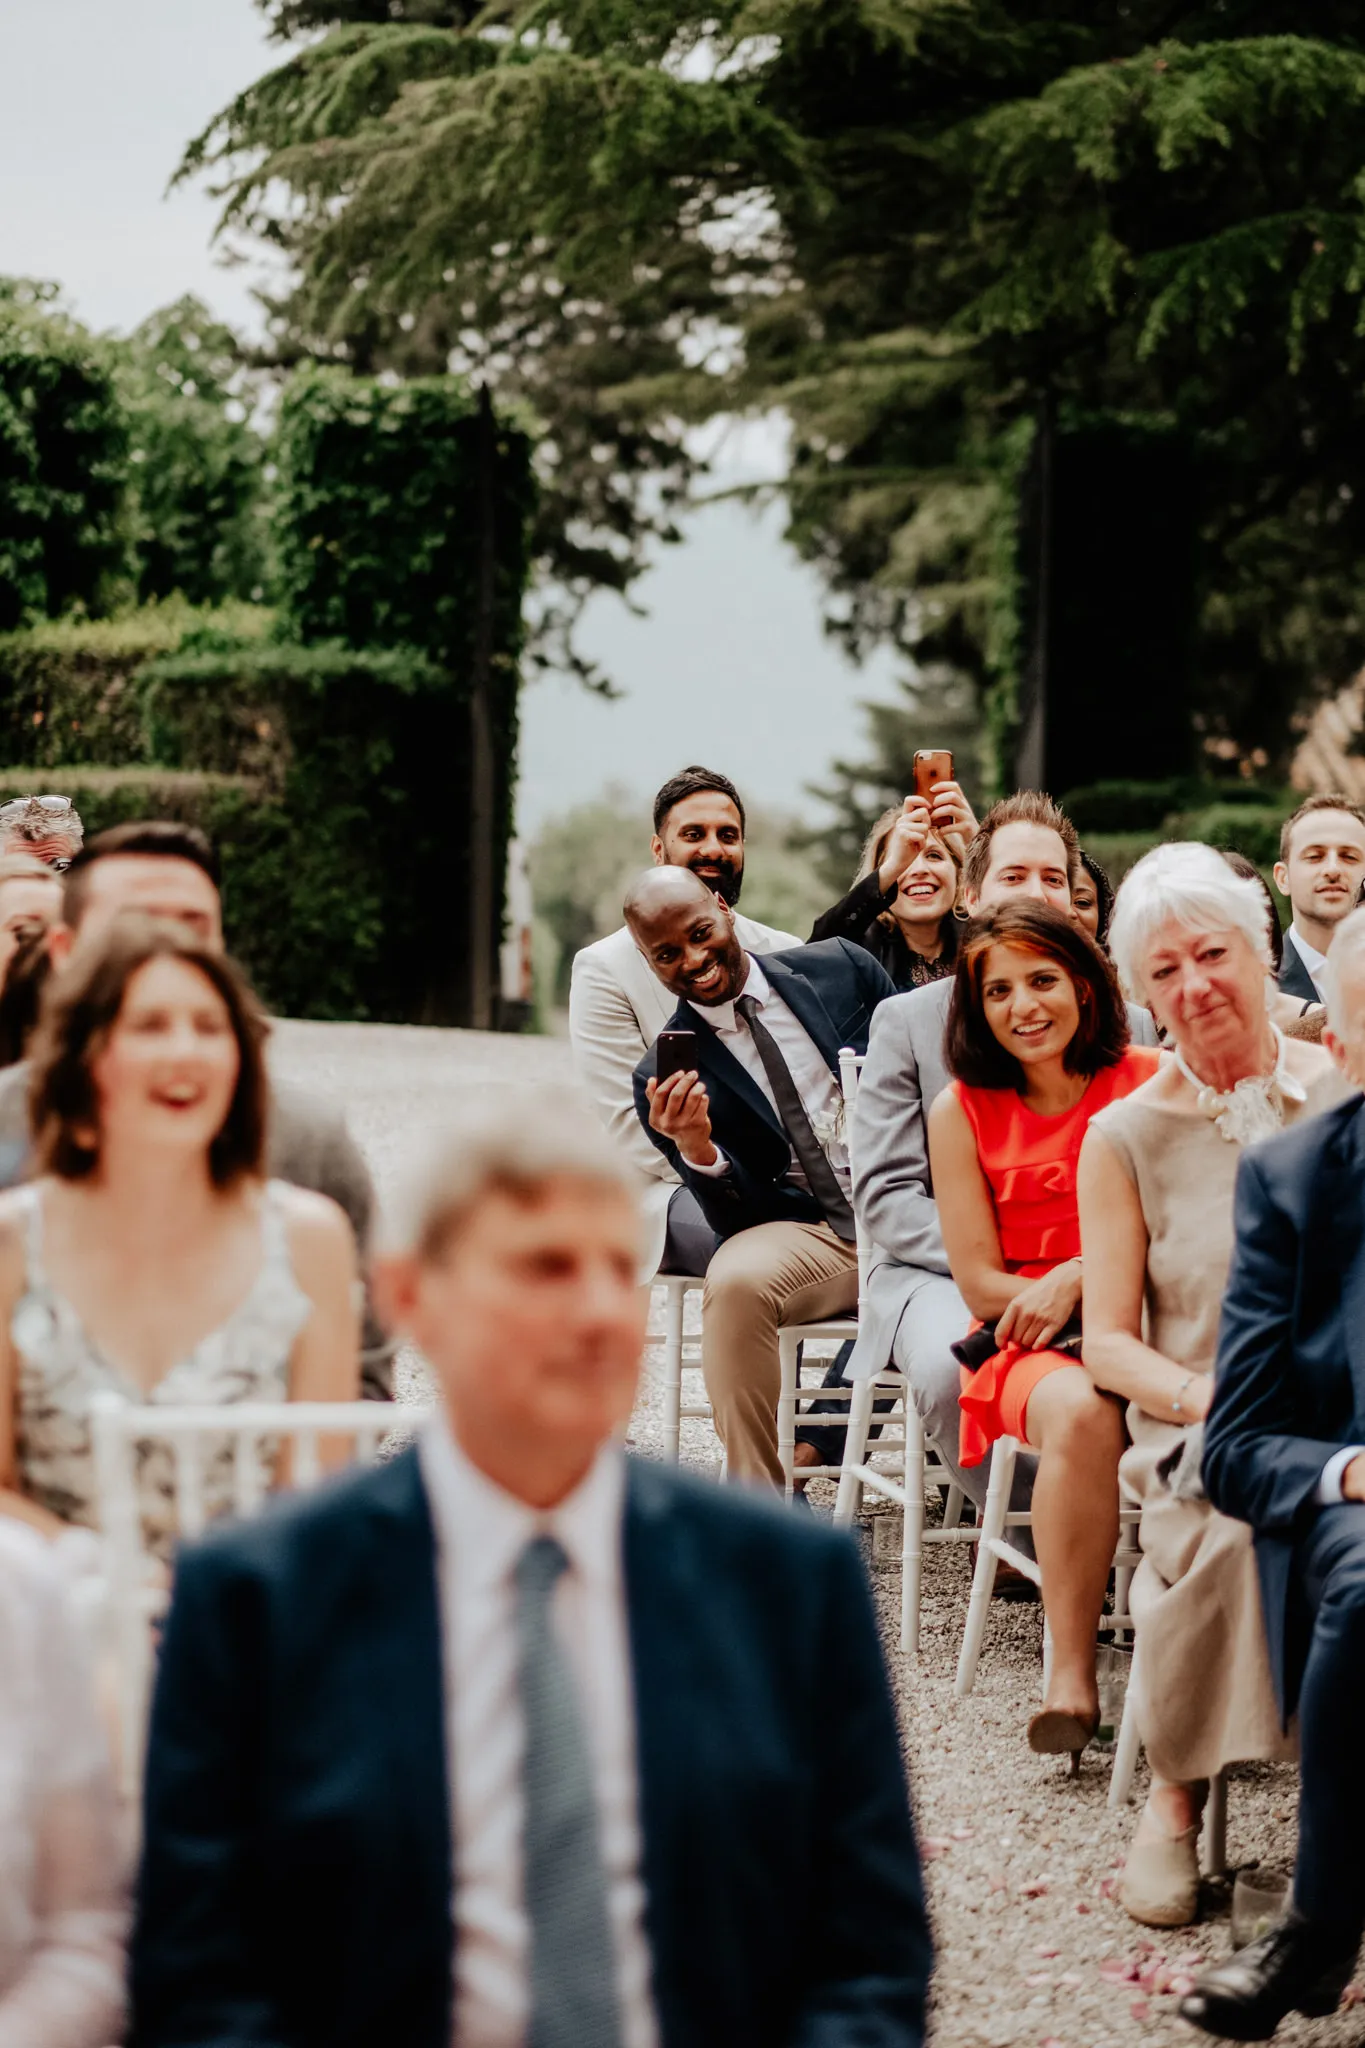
x=136, y=1592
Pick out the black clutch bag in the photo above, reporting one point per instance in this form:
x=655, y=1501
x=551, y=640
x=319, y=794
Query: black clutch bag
x=978, y=1345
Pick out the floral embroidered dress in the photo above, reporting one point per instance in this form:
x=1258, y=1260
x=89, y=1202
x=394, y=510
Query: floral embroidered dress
x=1030, y=1166
x=60, y=1368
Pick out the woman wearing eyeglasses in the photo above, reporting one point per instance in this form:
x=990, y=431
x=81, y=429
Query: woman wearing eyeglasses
x=48, y=828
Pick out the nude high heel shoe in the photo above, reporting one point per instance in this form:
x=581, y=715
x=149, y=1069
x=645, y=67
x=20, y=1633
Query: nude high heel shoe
x=1160, y=1882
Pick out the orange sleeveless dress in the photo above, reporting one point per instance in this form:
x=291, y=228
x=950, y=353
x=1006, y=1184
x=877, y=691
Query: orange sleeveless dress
x=1030, y=1165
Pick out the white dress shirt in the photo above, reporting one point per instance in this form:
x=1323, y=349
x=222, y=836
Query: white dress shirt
x=1312, y=959
x=481, y=1532
x=821, y=1095
x=1329, y=1493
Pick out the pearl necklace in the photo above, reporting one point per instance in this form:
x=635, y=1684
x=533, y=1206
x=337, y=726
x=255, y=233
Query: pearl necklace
x=1255, y=1107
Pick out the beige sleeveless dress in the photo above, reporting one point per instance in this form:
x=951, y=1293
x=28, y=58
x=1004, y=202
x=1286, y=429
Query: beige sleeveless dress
x=1206, y=1697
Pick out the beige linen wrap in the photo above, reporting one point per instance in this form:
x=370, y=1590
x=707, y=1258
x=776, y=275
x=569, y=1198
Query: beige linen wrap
x=1205, y=1696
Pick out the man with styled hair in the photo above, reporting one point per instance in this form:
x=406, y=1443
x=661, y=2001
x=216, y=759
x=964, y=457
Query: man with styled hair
x=513, y=1739
x=1284, y=1449
x=617, y=1008
x=1320, y=869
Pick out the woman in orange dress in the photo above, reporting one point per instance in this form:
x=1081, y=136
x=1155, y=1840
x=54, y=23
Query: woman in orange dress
x=1038, y=1043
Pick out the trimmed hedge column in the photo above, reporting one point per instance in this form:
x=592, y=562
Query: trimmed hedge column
x=401, y=518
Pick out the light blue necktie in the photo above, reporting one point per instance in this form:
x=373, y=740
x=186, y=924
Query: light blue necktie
x=573, y=1960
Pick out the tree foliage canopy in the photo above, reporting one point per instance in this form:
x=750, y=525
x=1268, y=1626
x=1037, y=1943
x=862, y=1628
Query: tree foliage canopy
x=902, y=221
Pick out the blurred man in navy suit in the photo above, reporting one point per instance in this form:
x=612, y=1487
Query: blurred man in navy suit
x=1284, y=1449
x=512, y=1740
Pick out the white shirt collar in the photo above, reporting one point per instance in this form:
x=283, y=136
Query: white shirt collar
x=1312, y=959
x=721, y=1016
x=483, y=1529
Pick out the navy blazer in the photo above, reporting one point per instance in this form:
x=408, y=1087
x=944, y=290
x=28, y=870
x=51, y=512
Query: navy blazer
x=1291, y=1353
x=832, y=988
x=1293, y=977
x=296, y=1882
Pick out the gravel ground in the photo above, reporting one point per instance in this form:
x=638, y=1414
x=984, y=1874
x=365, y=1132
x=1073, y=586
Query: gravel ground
x=1032, y=1948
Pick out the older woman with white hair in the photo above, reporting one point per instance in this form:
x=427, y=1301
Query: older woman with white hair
x=1155, y=1192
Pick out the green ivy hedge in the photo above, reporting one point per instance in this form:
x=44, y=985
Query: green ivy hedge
x=327, y=776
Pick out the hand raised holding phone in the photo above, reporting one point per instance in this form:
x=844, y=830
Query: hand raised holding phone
x=950, y=813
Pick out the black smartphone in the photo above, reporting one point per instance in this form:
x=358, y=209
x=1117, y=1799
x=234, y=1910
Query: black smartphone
x=675, y=1053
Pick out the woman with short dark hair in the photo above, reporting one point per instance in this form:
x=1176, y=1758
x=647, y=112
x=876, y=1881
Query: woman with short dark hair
x=151, y=1257
x=1038, y=1043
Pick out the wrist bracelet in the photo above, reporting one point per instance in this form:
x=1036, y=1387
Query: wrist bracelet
x=1178, y=1405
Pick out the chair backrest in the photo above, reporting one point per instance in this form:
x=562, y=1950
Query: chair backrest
x=249, y=1434
x=850, y=1074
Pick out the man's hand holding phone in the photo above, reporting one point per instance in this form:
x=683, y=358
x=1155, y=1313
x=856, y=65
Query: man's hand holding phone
x=680, y=1110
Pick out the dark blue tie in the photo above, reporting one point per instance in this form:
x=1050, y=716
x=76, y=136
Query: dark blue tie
x=573, y=1960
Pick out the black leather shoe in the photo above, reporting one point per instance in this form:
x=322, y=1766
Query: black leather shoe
x=1287, y=1970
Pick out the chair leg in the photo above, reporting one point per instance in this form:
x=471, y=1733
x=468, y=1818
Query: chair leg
x=855, y=1450
x=789, y=1355
x=673, y=1357
x=1216, y=1827
x=1128, y=1747
x=912, y=1541
x=983, y=1578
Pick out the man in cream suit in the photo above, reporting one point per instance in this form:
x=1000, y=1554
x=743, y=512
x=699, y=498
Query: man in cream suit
x=617, y=1008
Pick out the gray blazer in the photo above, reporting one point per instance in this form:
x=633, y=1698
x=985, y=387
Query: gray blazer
x=307, y=1145
x=893, y=1193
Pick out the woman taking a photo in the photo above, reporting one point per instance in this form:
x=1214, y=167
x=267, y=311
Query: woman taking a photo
x=150, y=1256
x=1037, y=1043
x=901, y=907
x=1191, y=941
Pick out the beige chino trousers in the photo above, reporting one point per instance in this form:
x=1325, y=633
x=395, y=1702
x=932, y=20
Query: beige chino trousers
x=757, y=1283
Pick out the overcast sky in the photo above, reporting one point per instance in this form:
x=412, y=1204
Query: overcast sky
x=730, y=665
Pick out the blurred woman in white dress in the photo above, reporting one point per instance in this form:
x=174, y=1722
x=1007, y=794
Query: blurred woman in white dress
x=62, y=1905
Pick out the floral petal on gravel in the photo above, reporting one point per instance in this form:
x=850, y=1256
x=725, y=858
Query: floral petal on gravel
x=1181, y=1985
x=1140, y=2009
x=964, y=1834
x=1070, y=1980
x=1119, y=1970
x=1038, y=1977
x=1190, y=1959
x=1046, y=1953
x=1034, y=1889
x=934, y=1845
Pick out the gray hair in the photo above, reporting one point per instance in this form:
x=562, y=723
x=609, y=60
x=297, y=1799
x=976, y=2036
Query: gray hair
x=1183, y=883
x=1348, y=941
x=501, y=1138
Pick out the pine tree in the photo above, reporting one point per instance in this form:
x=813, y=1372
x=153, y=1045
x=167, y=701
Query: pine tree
x=905, y=222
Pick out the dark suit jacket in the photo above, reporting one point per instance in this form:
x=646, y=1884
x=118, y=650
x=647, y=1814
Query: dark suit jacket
x=296, y=1882
x=1293, y=976
x=1291, y=1353
x=832, y=988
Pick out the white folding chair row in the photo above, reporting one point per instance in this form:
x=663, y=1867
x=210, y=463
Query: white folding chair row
x=838, y=1329
x=901, y=1467
x=679, y=1357
x=1128, y=1748
x=135, y=1593
x=995, y=1548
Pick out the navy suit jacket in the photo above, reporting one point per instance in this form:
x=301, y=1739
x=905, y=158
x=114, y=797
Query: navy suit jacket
x=1291, y=1353
x=296, y=1883
x=1294, y=978
x=832, y=988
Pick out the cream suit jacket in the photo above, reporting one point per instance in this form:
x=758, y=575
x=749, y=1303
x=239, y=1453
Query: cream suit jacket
x=617, y=1008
